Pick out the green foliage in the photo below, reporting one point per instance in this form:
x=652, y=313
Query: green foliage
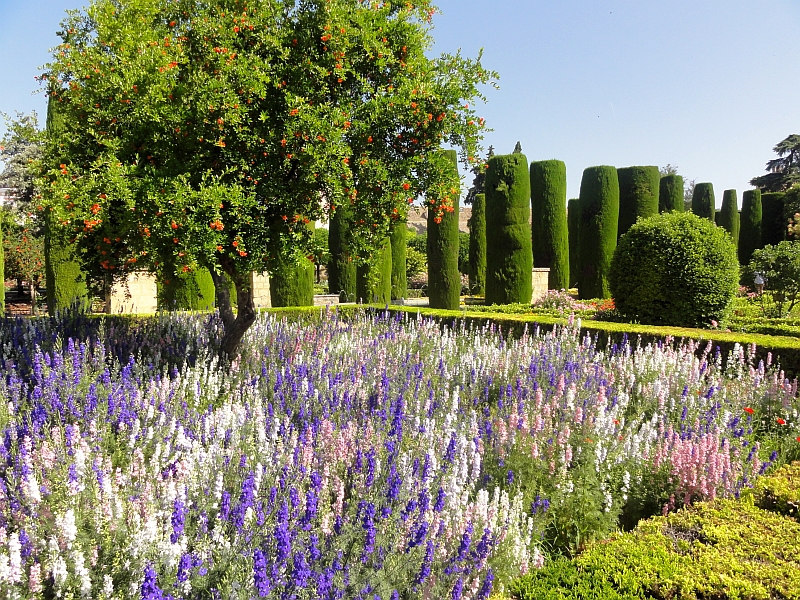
x=773, y=218
x=779, y=265
x=703, y=202
x=725, y=550
x=341, y=266
x=729, y=215
x=20, y=152
x=670, y=193
x=463, y=253
x=419, y=242
x=750, y=225
x=64, y=277
x=784, y=171
x=416, y=262
x=398, y=238
x=477, y=246
x=599, y=218
x=374, y=276
x=779, y=492
x=509, y=258
x=674, y=269
x=186, y=291
x=550, y=234
x=444, y=278
x=2, y=272
x=573, y=225
x=638, y=195
x=291, y=282
x=196, y=133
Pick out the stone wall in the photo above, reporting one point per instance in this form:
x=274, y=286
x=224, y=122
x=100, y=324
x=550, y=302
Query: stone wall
x=260, y=283
x=539, y=278
x=136, y=294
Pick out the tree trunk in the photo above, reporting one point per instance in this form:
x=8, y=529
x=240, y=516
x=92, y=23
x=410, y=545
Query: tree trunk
x=32, y=284
x=235, y=325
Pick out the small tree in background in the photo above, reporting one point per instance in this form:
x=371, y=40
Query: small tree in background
x=750, y=225
x=342, y=264
x=728, y=216
x=477, y=246
x=509, y=259
x=320, y=251
x=773, y=218
x=703, y=203
x=784, y=171
x=549, y=232
x=599, y=218
x=779, y=265
x=638, y=195
x=374, y=276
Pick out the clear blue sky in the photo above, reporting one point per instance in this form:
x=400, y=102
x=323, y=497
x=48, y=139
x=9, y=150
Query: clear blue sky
x=707, y=85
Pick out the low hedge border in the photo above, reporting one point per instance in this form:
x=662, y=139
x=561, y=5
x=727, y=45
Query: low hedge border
x=724, y=550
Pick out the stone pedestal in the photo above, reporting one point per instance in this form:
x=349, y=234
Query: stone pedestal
x=539, y=279
x=137, y=294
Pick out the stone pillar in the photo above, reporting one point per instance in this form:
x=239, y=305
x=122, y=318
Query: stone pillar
x=539, y=279
x=260, y=283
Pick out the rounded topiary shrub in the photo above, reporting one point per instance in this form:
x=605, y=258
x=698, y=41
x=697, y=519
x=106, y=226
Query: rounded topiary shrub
x=674, y=269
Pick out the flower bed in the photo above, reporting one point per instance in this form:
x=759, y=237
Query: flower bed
x=370, y=456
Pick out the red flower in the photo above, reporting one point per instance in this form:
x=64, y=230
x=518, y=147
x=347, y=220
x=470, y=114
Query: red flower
x=748, y=410
x=780, y=421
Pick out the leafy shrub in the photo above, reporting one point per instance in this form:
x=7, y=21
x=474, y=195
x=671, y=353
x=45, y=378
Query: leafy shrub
x=722, y=550
x=674, y=269
x=779, y=265
x=416, y=262
x=780, y=492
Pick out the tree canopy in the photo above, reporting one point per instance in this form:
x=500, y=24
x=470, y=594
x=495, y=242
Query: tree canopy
x=784, y=171
x=209, y=134
x=20, y=151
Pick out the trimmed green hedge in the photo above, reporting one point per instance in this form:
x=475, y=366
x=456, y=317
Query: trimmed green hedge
x=573, y=226
x=729, y=215
x=398, y=238
x=374, y=278
x=750, y=225
x=341, y=267
x=64, y=278
x=670, y=194
x=599, y=219
x=638, y=195
x=444, y=278
x=509, y=258
x=773, y=221
x=194, y=291
x=724, y=550
x=291, y=282
x=703, y=203
x=550, y=234
x=477, y=246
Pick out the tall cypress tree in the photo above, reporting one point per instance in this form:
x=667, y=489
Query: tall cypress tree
x=444, y=278
x=638, y=195
x=194, y=291
x=64, y=278
x=342, y=266
x=509, y=259
x=670, y=194
x=398, y=238
x=573, y=223
x=703, y=203
x=374, y=277
x=477, y=246
x=750, y=227
x=599, y=219
x=291, y=280
x=550, y=235
x=728, y=215
x=773, y=220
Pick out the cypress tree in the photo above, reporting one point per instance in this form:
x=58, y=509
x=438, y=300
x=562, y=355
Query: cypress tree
x=550, y=235
x=728, y=216
x=750, y=227
x=670, y=194
x=341, y=268
x=64, y=278
x=638, y=195
x=444, y=278
x=399, y=240
x=703, y=201
x=509, y=258
x=773, y=220
x=573, y=223
x=599, y=218
x=291, y=281
x=374, y=278
x=477, y=246
x=195, y=291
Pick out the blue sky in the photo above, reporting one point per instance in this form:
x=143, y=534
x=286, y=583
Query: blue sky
x=707, y=85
